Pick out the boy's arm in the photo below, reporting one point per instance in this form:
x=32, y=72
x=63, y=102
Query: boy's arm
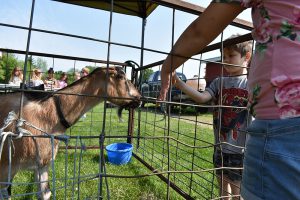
x=199, y=34
x=191, y=92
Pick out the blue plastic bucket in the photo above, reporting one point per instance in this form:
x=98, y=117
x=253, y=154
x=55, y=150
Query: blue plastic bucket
x=119, y=153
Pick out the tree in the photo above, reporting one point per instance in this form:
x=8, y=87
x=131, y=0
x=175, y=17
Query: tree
x=146, y=74
x=7, y=64
x=91, y=68
x=41, y=64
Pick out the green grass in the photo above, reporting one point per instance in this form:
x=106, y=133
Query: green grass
x=75, y=171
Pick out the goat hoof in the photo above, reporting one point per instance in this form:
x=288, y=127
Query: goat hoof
x=47, y=195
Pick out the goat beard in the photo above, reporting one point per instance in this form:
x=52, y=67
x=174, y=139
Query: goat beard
x=120, y=109
x=127, y=106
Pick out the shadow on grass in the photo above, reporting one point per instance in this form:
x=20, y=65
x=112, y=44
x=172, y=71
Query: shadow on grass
x=96, y=158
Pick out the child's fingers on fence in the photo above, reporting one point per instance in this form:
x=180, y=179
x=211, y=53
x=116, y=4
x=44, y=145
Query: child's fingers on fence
x=165, y=82
x=174, y=79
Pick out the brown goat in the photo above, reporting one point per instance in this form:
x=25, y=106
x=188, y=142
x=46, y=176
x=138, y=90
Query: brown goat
x=53, y=114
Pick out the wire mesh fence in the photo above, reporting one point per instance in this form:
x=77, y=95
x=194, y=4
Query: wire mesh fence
x=173, y=142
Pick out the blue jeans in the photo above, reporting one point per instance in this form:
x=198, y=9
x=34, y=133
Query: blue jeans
x=272, y=160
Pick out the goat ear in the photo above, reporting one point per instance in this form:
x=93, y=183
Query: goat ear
x=120, y=70
x=121, y=74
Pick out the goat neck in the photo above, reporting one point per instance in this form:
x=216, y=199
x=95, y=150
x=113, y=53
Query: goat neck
x=80, y=98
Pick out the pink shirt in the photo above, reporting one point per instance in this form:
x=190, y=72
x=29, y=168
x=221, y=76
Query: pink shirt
x=62, y=84
x=274, y=77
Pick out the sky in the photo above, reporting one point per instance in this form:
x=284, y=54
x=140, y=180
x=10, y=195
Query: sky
x=88, y=22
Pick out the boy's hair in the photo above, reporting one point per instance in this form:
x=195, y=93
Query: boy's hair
x=243, y=48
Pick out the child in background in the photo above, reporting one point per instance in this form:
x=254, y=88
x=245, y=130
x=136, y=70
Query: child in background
x=16, y=77
x=63, y=81
x=77, y=76
x=85, y=71
x=227, y=121
x=50, y=81
x=36, y=78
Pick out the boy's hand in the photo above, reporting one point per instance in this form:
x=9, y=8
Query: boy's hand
x=165, y=83
x=165, y=80
x=175, y=79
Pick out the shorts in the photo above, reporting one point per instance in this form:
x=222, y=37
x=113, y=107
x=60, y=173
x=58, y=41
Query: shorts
x=272, y=160
x=229, y=160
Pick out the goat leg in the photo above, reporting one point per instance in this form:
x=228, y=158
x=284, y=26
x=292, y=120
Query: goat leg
x=9, y=190
x=5, y=188
x=5, y=193
x=41, y=177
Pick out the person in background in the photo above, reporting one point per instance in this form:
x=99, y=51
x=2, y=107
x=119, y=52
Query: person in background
x=16, y=77
x=36, y=79
x=50, y=81
x=272, y=159
x=228, y=120
x=85, y=71
x=63, y=81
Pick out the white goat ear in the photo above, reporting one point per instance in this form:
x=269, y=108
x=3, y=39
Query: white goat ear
x=121, y=74
x=120, y=70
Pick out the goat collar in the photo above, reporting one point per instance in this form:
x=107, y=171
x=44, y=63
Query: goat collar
x=61, y=116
